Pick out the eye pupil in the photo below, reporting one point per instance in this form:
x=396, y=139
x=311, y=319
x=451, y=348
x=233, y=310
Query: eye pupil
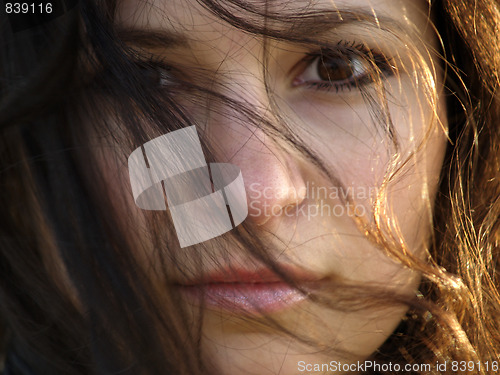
x=151, y=75
x=344, y=68
x=155, y=76
x=334, y=69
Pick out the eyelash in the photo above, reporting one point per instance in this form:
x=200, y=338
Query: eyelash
x=152, y=63
x=374, y=62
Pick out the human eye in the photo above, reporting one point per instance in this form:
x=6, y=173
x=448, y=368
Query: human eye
x=149, y=72
x=349, y=66
x=156, y=72
x=153, y=69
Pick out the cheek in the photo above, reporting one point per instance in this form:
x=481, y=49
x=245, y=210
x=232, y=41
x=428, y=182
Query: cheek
x=129, y=217
x=361, y=153
x=415, y=173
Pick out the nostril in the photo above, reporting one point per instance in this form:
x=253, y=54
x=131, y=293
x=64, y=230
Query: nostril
x=268, y=202
x=273, y=177
x=290, y=208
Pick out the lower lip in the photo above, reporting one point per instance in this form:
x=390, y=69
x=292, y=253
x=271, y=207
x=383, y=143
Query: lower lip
x=245, y=298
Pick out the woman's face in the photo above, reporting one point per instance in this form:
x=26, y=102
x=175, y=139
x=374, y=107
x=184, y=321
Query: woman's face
x=295, y=208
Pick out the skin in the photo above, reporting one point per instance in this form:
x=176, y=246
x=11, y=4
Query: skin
x=338, y=127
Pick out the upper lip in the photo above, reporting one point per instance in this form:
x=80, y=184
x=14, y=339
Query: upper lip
x=249, y=276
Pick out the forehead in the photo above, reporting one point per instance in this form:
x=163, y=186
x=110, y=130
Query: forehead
x=190, y=35
x=190, y=18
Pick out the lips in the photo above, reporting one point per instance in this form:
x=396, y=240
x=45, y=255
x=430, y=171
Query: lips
x=244, y=291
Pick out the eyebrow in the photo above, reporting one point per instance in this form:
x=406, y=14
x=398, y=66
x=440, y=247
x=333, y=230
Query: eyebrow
x=153, y=38
x=316, y=23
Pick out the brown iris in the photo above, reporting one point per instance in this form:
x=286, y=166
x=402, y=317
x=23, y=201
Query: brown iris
x=335, y=69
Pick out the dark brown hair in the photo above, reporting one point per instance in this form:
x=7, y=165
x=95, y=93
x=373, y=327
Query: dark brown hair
x=72, y=297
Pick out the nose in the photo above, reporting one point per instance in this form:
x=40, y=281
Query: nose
x=273, y=179
x=273, y=176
